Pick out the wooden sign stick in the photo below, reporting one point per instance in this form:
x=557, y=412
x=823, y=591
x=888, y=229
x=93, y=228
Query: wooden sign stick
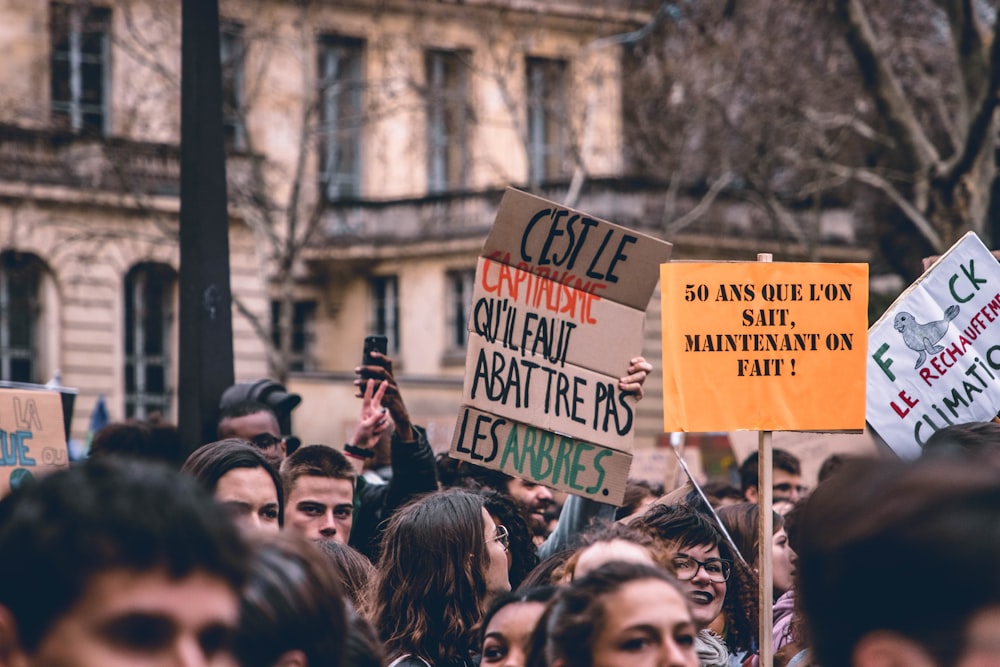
x=765, y=493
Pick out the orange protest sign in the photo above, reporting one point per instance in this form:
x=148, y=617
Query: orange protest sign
x=762, y=346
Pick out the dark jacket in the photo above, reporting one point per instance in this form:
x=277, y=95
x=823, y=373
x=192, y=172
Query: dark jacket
x=413, y=474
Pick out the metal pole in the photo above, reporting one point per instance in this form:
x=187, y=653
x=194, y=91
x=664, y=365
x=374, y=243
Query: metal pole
x=206, y=327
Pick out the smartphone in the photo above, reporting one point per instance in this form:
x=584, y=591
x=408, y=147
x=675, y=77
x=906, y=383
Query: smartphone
x=373, y=343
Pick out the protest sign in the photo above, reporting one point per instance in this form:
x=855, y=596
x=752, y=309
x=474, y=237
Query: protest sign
x=764, y=346
x=32, y=438
x=558, y=312
x=557, y=461
x=536, y=316
x=934, y=355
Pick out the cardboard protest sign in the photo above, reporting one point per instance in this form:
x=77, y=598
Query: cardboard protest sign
x=558, y=312
x=762, y=346
x=537, y=316
x=32, y=438
x=573, y=248
x=934, y=355
x=557, y=461
x=567, y=399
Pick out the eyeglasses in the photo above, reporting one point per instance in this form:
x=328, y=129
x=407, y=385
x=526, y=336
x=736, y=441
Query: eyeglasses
x=718, y=570
x=264, y=441
x=502, y=536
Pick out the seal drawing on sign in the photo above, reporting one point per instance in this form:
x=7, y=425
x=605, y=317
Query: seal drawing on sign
x=923, y=338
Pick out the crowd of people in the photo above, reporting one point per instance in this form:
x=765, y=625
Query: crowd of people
x=376, y=553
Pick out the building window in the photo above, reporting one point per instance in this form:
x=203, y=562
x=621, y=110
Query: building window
x=448, y=120
x=303, y=320
x=79, y=67
x=460, y=285
x=231, y=52
x=385, y=310
x=20, y=283
x=149, y=314
x=547, y=119
x=341, y=62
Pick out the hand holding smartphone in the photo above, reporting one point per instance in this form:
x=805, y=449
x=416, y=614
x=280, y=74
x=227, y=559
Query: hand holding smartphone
x=373, y=343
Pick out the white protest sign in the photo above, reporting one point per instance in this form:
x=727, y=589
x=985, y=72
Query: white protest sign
x=934, y=356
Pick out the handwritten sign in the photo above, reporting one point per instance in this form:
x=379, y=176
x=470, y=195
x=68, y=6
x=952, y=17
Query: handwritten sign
x=934, y=355
x=557, y=461
x=520, y=311
x=558, y=311
x=761, y=346
x=32, y=438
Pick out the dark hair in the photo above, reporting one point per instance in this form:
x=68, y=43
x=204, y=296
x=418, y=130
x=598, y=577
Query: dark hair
x=970, y=439
x=292, y=601
x=717, y=491
x=429, y=590
x=890, y=526
x=140, y=440
x=683, y=526
x=315, y=461
x=522, y=550
x=831, y=466
x=362, y=645
x=741, y=522
x=354, y=568
x=781, y=460
x=454, y=473
x=541, y=594
x=209, y=463
x=542, y=574
x=574, y=617
x=107, y=514
x=636, y=490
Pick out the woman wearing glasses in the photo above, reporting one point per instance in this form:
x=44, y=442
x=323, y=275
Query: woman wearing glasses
x=443, y=560
x=716, y=586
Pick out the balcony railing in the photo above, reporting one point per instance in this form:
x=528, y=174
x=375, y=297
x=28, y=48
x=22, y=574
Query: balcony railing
x=46, y=157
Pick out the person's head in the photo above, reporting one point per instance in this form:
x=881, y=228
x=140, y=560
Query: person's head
x=241, y=479
x=710, y=575
x=107, y=552
x=619, y=615
x=319, y=493
x=521, y=548
x=533, y=497
x=786, y=477
x=720, y=494
x=442, y=559
x=613, y=542
x=548, y=571
x=139, y=440
x=292, y=610
x=638, y=495
x=980, y=440
x=898, y=564
x=257, y=423
x=741, y=522
x=354, y=569
x=507, y=626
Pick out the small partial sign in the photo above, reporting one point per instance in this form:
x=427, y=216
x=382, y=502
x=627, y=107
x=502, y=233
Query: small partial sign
x=32, y=437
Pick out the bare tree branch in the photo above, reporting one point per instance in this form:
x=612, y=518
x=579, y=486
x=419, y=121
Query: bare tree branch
x=981, y=122
x=702, y=206
x=883, y=85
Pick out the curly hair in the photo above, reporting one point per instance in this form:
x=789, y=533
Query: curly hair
x=429, y=590
x=524, y=556
x=611, y=532
x=682, y=526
